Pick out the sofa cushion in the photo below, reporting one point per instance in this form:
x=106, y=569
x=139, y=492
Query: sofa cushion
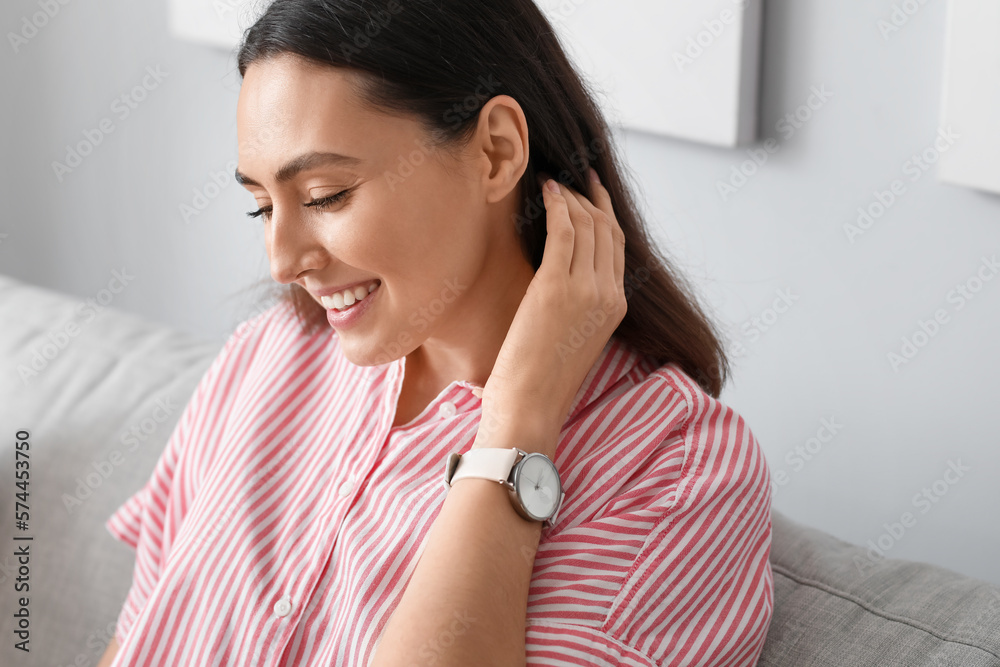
x=113, y=383
x=836, y=605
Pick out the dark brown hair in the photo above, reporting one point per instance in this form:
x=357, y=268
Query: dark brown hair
x=441, y=60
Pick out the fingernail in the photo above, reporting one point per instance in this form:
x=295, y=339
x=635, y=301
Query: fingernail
x=593, y=176
x=552, y=186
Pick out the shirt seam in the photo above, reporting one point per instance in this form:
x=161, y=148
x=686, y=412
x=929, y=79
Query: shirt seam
x=686, y=471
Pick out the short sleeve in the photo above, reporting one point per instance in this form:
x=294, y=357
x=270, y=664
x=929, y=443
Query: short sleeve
x=141, y=523
x=699, y=589
x=149, y=520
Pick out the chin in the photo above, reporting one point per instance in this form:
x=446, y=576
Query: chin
x=365, y=354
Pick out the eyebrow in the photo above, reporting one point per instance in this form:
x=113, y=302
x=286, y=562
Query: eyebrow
x=302, y=163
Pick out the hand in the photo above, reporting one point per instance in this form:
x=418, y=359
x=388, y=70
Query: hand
x=571, y=308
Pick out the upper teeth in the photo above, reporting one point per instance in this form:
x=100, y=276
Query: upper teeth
x=347, y=298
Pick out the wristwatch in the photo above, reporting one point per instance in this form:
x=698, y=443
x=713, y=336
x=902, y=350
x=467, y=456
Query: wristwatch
x=531, y=479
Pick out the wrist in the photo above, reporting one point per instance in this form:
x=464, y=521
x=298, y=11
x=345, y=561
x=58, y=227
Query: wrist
x=511, y=427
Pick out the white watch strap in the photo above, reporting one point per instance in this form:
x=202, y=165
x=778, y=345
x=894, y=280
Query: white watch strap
x=492, y=463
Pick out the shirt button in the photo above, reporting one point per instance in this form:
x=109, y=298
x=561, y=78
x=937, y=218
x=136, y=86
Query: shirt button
x=345, y=488
x=446, y=410
x=283, y=607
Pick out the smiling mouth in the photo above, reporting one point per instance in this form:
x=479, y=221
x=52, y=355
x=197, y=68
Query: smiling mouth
x=346, y=299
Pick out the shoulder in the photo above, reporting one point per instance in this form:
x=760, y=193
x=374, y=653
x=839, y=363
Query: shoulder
x=663, y=395
x=272, y=321
x=654, y=442
x=722, y=467
x=697, y=409
x=263, y=350
x=271, y=338
x=699, y=442
x=721, y=454
x=637, y=394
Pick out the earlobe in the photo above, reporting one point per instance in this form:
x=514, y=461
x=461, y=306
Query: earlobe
x=503, y=140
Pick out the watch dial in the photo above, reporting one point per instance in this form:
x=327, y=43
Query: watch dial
x=538, y=486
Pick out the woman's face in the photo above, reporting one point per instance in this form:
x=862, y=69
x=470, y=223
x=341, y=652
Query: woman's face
x=428, y=225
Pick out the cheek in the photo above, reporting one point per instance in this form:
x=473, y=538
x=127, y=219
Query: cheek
x=435, y=225
x=386, y=231
x=416, y=233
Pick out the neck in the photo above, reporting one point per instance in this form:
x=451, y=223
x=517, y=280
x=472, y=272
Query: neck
x=466, y=346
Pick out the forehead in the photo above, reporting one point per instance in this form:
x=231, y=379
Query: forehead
x=272, y=82
x=286, y=101
x=284, y=91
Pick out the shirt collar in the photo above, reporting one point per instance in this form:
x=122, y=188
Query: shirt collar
x=616, y=360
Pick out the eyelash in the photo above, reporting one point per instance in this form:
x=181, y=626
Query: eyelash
x=318, y=203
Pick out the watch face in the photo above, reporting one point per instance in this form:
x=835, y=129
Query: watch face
x=537, y=483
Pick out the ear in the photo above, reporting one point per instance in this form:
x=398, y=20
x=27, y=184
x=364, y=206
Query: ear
x=501, y=146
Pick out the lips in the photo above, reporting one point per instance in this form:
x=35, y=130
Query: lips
x=348, y=316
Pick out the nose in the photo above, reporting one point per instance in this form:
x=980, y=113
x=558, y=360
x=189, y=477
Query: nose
x=292, y=249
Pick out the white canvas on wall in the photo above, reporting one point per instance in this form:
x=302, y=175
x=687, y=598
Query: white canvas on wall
x=970, y=101
x=678, y=68
x=217, y=23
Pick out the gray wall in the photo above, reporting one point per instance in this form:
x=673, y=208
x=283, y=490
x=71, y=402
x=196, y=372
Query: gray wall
x=823, y=358
x=121, y=207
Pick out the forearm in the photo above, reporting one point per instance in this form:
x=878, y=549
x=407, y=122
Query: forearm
x=109, y=653
x=471, y=583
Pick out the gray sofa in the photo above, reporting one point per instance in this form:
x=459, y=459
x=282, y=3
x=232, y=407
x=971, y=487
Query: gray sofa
x=117, y=383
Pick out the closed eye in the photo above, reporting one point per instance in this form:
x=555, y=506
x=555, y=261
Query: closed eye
x=318, y=203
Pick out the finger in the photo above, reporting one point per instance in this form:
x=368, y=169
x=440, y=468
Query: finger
x=602, y=199
x=583, y=226
x=559, y=233
x=603, y=237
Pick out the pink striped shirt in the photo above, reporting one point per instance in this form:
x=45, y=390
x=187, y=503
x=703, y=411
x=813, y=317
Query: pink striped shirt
x=286, y=514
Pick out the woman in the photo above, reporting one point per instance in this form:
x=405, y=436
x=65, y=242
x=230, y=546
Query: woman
x=443, y=301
